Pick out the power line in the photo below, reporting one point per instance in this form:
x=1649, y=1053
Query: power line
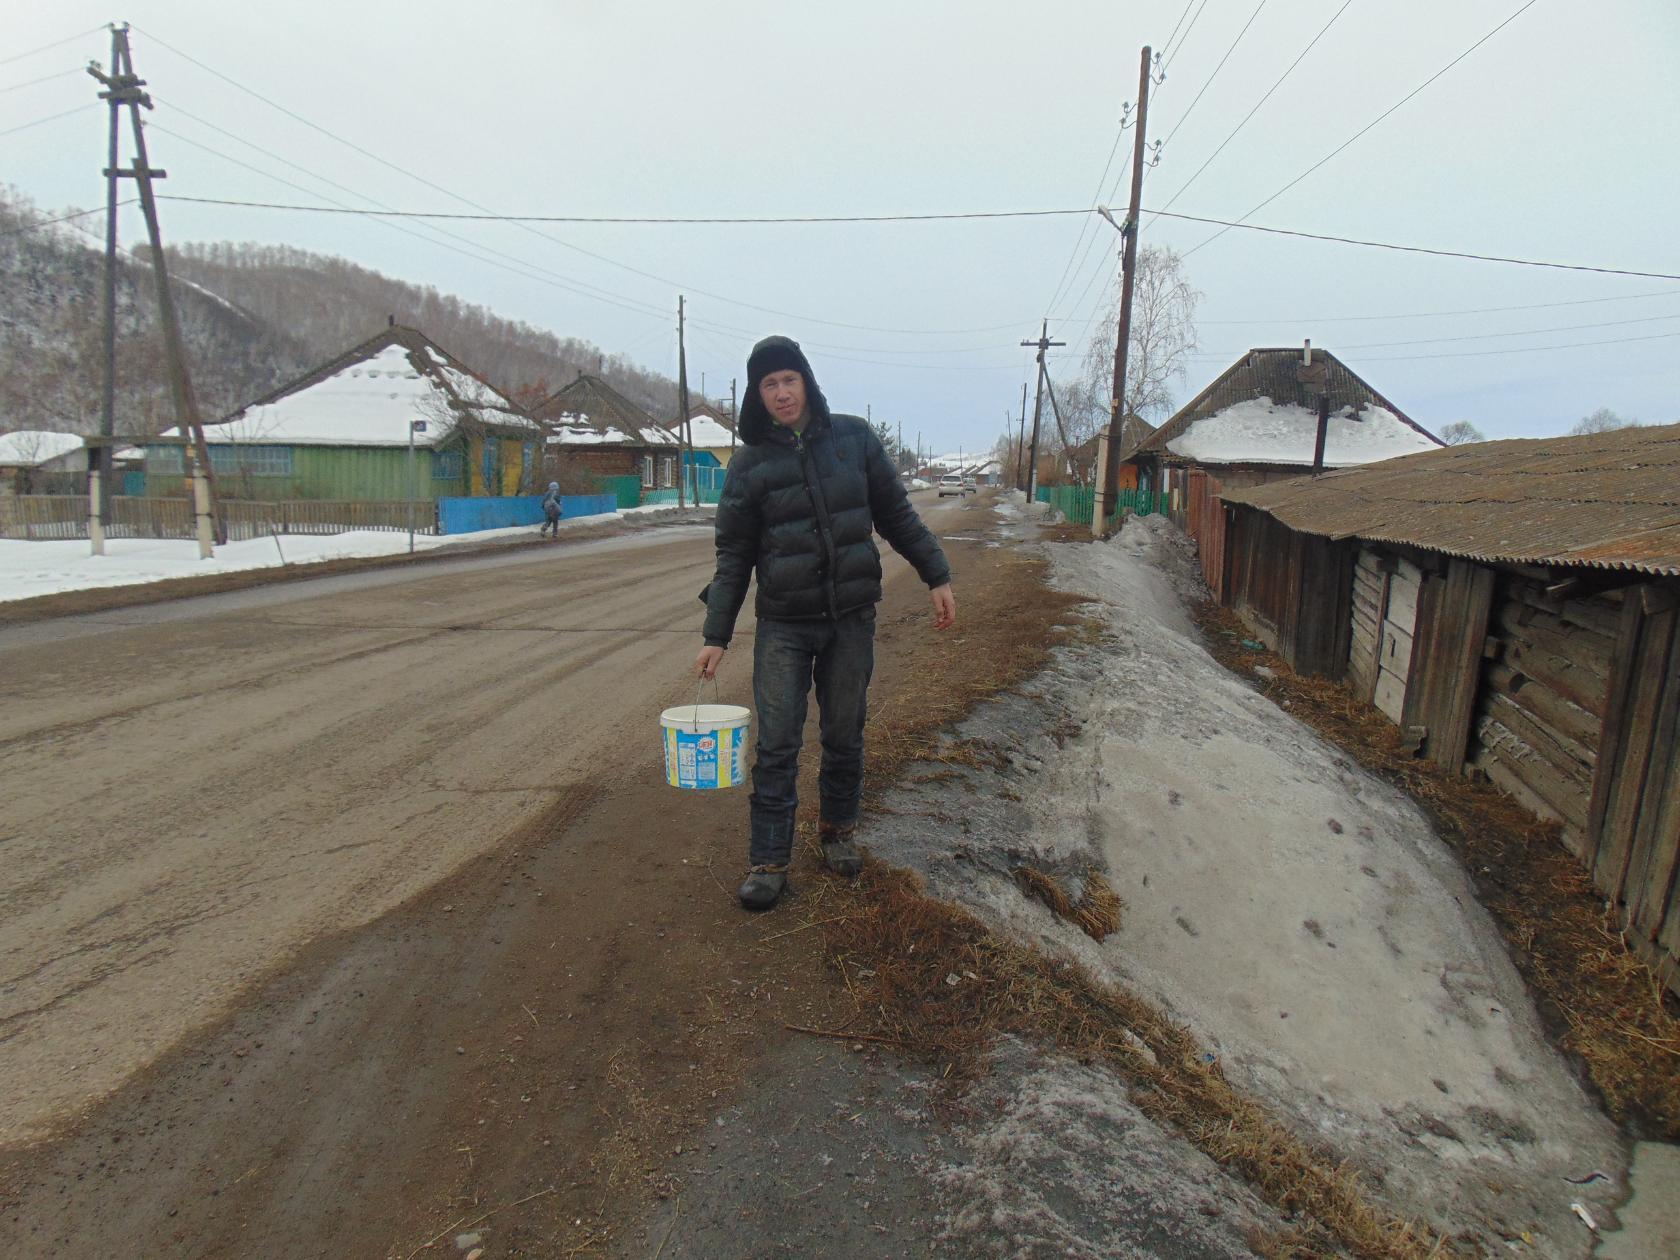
x=1209, y=81
x=1228, y=224
x=1168, y=48
x=69, y=39
x=1367, y=127
x=1476, y=310
x=45, y=78
x=1085, y=224
x=1527, y=332
x=671, y=220
x=612, y=262
x=63, y=218
x=1183, y=13
x=1268, y=96
x=41, y=122
x=1473, y=354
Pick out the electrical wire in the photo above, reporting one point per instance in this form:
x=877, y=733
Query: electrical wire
x=1474, y=354
x=1085, y=223
x=41, y=122
x=46, y=78
x=1529, y=4
x=649, y=220
x=1183, y=13
x=1228, y=224
x=1169, y=48
x=1268, y=96
x=1208, y=82
x=1475, y=310
x=526, y=226
x=69, y=39
x=64, y=218
x=1527, y=332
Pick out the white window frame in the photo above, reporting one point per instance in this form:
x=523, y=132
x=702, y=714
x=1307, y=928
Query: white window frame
x=647, y=472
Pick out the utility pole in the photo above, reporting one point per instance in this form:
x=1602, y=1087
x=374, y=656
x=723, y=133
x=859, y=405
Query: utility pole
x=899, y=453
x=108, y=408
x=1109, y=487
x=123, y=88
x=734, y=417
x=1021, y=442
x=1043, y=343
x=682, y=402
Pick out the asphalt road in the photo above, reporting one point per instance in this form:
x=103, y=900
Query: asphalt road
x=197, y=790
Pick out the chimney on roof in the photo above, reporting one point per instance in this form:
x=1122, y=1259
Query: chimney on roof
x=390, y=321
x=1306, y=352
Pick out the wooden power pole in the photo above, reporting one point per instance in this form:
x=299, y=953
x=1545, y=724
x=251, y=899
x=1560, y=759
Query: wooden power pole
x=1043, y=343
x=123, y=87
x=684, y=437
x=1108, y=487
x=108, y=401
x=1021, y=443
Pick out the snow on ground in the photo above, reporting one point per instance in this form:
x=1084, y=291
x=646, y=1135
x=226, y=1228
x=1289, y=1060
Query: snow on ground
x=51, y=566
x=1258, y=431
x=1295, y=911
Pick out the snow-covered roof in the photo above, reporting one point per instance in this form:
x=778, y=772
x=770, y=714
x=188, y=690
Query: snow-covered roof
x=708, y=434
x=36, y=446
x=369, y=396
x=569, y=428
x=1257, y=431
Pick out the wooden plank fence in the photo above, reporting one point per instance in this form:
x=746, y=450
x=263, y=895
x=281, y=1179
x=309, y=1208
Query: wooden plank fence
x=64, y=516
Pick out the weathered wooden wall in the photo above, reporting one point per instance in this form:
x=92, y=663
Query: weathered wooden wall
x=1294, y=590
x=1541, y=706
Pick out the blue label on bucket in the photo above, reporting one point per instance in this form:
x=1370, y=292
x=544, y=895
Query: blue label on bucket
x=705, y=759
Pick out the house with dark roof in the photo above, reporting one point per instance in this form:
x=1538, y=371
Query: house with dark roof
x=711, y=431
x=593, y=431
x=395, y=417
x=1514, y=607
x=1260, y=421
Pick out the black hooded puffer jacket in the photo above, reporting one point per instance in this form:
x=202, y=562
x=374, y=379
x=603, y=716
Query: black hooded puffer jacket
x=802, y=509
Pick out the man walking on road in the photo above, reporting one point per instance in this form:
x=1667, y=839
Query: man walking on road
x=799, y=504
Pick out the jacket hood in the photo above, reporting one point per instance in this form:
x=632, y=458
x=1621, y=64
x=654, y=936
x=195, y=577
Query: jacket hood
x=771, y=355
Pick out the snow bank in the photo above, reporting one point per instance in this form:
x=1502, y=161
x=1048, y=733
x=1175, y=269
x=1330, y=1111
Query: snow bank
x=1260, y=432
x=47, y=568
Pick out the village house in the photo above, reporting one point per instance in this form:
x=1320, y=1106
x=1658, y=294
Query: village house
x=41, y=461
x=1258, y=421
x=1514, y=607
x=343, y=432
x=597, y=435
x=712, y=433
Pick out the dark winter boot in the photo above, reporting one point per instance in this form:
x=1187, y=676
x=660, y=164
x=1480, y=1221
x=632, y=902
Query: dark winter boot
x=839, y=848
x=763, y=886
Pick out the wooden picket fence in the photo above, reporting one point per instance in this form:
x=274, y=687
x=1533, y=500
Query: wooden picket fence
x=62, y=516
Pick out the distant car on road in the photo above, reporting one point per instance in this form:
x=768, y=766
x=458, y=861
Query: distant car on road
x=952, y=483
x=969, y=486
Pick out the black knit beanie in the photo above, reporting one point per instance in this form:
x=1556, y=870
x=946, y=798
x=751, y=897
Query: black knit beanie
x=776, y=354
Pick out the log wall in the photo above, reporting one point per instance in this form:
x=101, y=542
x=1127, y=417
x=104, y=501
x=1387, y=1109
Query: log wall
x=1545, y=674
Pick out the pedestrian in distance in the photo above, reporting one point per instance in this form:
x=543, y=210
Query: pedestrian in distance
x=800, y=503
x=551, y=510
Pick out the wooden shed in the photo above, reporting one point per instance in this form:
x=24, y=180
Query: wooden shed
x=1257, y=422
x=1515, y=608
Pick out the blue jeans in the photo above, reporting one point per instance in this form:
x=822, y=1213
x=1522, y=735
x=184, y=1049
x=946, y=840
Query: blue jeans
x=787, y=657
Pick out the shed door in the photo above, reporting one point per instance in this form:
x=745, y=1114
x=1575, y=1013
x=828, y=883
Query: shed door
x=1394, y=656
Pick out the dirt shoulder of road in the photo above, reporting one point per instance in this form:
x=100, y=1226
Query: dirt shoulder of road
x=108, y=598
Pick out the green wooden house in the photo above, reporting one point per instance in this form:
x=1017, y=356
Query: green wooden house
x=393, y=418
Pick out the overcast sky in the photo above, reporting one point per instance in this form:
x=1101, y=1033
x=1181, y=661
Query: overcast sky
x=1555, y=140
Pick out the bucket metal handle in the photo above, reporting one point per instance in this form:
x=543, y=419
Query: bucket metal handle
x=716, y=699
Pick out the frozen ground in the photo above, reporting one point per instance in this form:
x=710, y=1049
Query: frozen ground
x=51, y=566
x=1296, y=912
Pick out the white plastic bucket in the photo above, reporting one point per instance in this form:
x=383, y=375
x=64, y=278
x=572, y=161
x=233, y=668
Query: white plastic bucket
x=705, y=745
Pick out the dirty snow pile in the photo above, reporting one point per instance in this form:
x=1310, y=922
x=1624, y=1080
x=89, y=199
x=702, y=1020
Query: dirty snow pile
x=1258, y=431
x=1297, y=913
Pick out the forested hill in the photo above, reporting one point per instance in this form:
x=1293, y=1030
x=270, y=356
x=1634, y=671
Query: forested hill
x=252, y=316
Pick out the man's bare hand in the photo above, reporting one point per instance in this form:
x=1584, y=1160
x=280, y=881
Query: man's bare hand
x=944, y=607
x=706, y=664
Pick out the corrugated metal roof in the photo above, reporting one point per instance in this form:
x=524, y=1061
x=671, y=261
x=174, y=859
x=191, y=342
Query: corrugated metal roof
x=1276, y=373
x=1606, y=499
